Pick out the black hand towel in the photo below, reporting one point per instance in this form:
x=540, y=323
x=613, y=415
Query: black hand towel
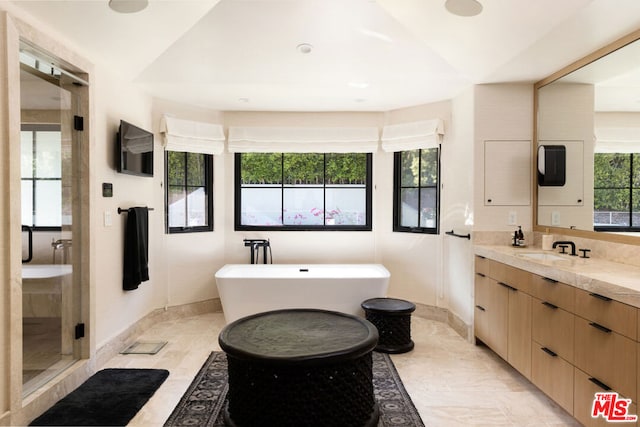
x=136, y=248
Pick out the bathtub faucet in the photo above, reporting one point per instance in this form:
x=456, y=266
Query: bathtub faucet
x=255, y=245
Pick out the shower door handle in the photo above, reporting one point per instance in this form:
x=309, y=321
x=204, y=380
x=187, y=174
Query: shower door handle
x=29, y=230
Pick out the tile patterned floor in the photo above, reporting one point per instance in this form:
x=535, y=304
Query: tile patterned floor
x=451, y=381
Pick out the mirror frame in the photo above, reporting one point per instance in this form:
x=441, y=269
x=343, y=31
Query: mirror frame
x=607, y=236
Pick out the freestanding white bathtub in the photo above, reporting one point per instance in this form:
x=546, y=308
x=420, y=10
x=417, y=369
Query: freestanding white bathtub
x=246, y=289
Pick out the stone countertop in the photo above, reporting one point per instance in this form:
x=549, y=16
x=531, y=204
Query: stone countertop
x=614, y=280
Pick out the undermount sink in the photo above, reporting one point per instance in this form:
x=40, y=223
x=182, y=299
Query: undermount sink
x=543, y=256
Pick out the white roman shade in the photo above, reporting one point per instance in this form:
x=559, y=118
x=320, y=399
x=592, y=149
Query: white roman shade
x=303, y=139
x=192, y=137
x=617, y=140
x=413, y=135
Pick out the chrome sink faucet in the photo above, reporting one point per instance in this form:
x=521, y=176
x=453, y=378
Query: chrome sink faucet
x=563, y=244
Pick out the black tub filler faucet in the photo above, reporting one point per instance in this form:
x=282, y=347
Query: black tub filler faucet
x=255, y=245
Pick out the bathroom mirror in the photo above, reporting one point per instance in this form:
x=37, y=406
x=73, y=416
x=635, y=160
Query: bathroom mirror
x=592, y=109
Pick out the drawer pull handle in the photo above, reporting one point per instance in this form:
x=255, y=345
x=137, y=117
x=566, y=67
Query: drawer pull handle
x=600, y=297
x=481, y=308
x=548, y=304
x=600, y=327
x=549, y=352
x=600, y=384
x=548, y=279
x=511, y=288
x=481, y=274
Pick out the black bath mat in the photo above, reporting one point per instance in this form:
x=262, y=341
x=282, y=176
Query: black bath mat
x=111, y=397
x=202, y=403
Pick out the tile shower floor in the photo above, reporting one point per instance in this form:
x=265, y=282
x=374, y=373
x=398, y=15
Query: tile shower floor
x=451, y=381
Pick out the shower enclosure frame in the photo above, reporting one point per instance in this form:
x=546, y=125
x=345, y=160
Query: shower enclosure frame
x=67, y=291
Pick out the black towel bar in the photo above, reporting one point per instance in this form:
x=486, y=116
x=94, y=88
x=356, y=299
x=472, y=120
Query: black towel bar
x=121, y=210
x=463, y=236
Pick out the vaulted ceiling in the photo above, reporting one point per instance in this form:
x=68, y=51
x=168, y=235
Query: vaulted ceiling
x=365, y=55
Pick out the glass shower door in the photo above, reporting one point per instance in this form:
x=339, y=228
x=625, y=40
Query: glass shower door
x=50, y=299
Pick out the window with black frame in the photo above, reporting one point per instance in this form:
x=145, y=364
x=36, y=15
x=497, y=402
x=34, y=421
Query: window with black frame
x=303, y=191
x=41, y=176
x=616, y=192
x=416, y=191
x=189, y=192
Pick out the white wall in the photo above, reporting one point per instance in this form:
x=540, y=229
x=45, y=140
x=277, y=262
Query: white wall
x=503, y=112
x=116, y=309
x=458, y=207
x=414, y=260
x=190, y=260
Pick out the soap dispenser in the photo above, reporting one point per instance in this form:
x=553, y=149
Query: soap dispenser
x=520, y=236
x=516, y=239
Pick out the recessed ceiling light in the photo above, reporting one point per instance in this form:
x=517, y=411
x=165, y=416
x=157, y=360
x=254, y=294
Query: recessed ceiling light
x=128, y=6
x=359, y=100
x=243, y=99
x=463, y=7
x=304, y=48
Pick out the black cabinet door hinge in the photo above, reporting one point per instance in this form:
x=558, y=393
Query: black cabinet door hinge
x=79, y=331
x=78, y=122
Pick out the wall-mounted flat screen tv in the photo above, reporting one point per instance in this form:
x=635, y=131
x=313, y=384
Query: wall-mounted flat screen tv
x=134, y=150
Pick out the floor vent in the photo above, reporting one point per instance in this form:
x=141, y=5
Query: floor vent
x=146, y=347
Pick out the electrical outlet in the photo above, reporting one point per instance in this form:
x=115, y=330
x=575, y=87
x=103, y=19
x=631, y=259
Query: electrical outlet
x=555, y=218
x=513, y=217
x=107, y=219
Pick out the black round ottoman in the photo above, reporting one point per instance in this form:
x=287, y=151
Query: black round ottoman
x=392, y=317
x=300, y=368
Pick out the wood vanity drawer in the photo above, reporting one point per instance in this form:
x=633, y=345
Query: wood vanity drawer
x=607, y=356
x=481, y=324
x=491, y=311
x=553, y=328
x=511, y=276
x=584, y=391
x=614, y=315
x=557, y=293
x=482, y=265
x=553, y=375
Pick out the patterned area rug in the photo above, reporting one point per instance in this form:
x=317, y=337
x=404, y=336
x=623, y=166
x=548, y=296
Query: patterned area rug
x=203, y=401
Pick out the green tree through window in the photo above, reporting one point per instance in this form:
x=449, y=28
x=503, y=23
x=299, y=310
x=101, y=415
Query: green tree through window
x=189, y=192
x=303, y=191
x=616, y=192
x=416, y=195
